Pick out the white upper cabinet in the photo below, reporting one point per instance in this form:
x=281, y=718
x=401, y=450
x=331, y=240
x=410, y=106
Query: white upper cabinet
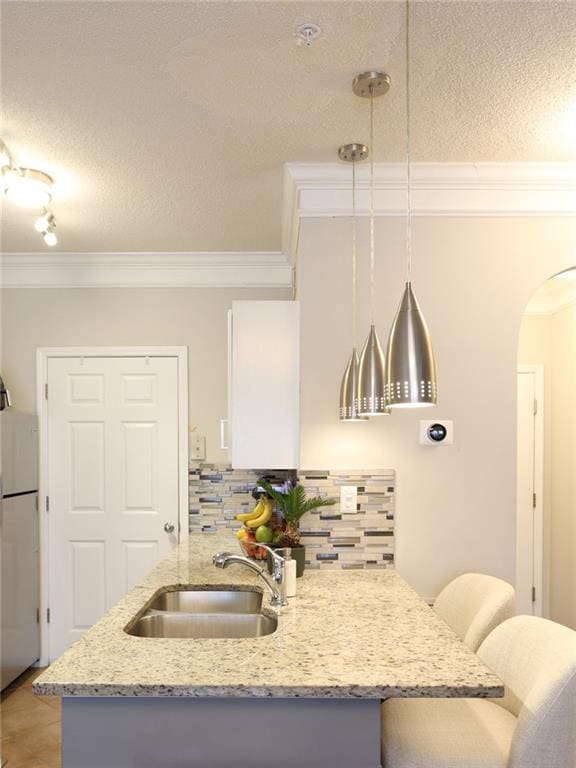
x=264, y=384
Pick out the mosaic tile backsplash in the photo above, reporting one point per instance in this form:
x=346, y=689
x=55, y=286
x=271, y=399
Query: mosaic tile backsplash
x=364, y=539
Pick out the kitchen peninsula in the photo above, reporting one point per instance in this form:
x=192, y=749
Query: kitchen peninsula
x=308, y=694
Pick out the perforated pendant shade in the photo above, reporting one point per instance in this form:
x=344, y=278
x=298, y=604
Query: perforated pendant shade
x=349, y=391
x=371, y=400
x=410, y=378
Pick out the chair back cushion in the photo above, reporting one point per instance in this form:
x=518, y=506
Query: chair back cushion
x=536, y=660
x=474, y=604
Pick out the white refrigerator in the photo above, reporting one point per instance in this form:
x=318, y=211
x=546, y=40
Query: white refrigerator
x=20, y=549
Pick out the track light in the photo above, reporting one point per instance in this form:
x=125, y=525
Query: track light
x=44, y=221
x=27, y=187
x=30, y=188
x=50, y=237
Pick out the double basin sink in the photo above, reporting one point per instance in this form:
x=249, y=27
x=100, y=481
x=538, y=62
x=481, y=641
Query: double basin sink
x=217, y=612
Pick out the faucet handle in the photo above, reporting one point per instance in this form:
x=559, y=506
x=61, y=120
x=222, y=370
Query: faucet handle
x=220, y=558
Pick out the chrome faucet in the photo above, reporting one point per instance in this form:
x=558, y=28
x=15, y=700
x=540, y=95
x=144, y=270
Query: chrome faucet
x=276, y=586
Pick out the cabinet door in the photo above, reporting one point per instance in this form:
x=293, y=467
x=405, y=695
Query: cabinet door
x=264, y=384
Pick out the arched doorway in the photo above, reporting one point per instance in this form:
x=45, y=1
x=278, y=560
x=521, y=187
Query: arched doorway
x=546, y=515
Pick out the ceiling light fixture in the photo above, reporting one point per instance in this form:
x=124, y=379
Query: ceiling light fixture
x=352, y=153
x=5, y=158
x=44, y=221
x=371, y=399
x=30, y=188
x=27, y=186
x=50, y=238
x=410, y=365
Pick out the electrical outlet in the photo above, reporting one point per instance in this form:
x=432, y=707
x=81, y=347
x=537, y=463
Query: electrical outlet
x=348, y=499
x=197, y=447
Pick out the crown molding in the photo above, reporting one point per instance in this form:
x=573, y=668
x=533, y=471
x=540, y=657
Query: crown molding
x=149, y=270
x=437, y=189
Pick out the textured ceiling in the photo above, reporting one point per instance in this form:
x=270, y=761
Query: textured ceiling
x=166, y=124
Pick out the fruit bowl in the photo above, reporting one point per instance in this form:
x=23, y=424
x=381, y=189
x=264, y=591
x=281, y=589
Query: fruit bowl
x=248, y=549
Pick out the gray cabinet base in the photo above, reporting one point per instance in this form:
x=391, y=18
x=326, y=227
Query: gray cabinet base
x=220, y=733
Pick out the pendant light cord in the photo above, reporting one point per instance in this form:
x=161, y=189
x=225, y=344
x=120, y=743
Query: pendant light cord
x=371, y=205
x=354, y=253
x=408, y=171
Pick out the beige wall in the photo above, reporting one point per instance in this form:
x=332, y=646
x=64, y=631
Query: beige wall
x=456, y=505
x=551, y=341
x=196, y=318
x=474, y=277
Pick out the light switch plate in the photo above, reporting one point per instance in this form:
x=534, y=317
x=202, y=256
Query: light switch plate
x=197, y=447
x=348, y=499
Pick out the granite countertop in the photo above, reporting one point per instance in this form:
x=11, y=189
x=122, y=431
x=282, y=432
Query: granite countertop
x=347, y=634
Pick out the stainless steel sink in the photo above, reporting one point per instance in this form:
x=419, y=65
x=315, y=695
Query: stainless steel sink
x=203, y=625
x=208, y=601
x=204, y=613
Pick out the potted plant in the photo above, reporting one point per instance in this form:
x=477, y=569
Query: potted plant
x=293, y=505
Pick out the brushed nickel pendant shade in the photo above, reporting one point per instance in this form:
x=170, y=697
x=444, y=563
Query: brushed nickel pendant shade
x=410, y=377
x=349, y=391
x=371, y=399
x=410, y=365
x=352, y=153
x=371, y=372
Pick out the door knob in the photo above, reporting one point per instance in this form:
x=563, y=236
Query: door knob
x=169, y=527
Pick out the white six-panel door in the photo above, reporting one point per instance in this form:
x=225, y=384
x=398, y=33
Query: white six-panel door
x=112, y=482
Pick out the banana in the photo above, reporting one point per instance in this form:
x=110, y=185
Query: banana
x=256, y=512
x=254, y=522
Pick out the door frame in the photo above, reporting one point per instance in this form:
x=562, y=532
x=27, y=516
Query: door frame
x=43, y=355
x=537, y=552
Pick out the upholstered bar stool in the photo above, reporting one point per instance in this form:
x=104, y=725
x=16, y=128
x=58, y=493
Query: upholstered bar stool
x=533, y=726
x=474, y=604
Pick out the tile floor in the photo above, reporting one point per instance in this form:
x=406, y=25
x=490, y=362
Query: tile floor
x=30, y=726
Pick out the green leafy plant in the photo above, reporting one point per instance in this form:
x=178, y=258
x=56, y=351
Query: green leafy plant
x=293, y=505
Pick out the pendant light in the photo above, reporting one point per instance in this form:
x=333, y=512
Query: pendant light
x=410, y=365
x=352, y=153
x=371, y=391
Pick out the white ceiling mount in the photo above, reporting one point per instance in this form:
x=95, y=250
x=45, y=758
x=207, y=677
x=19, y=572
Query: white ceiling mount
x=307, y=33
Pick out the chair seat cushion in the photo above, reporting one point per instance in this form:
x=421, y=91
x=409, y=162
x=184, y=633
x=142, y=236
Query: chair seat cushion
x=445, y=733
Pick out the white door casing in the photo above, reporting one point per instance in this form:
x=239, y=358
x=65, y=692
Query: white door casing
x=530, y=482
x=114, y=473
